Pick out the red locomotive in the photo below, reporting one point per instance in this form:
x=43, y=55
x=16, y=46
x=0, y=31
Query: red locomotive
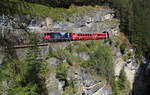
x=74, y=36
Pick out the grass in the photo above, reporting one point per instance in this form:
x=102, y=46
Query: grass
x=100, y=61
x=20, y=7
x=121, y=86
x=61, y=71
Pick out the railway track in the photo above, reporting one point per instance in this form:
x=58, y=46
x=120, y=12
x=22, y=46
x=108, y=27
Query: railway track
x=26, y=45
x=29, y=45
x=39, y=44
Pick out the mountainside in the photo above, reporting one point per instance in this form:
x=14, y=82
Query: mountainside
x=85, y=67
x=80, y=67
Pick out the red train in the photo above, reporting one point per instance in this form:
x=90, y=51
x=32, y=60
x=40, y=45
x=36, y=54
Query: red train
x=74, y=36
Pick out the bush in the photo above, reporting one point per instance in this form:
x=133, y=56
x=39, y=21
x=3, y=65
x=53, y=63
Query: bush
x=121, y=86
x=61, y=71
x=123, y=82
x=101, y=62
x=71, y=89
x=123, y=46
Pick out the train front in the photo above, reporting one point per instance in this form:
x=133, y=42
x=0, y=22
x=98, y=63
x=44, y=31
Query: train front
x=57, y=36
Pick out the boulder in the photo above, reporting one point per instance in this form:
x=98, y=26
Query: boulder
x=53, y=61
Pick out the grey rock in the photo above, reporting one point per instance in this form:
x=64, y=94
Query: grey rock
x=75, y=54
x=61, y=85
x=105, y=90
x=53, y=61
x=84, y=55
x=62, y=24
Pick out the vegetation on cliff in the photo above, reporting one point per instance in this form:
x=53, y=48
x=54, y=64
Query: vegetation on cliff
x=27, y=76
x=121, y=85
x=19, y=7
x=24, y=77
x=99, y=63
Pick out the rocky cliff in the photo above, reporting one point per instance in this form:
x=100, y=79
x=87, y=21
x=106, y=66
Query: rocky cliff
x=80, y=67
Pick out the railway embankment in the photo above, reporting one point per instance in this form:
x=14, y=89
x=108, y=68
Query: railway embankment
x=86, y=67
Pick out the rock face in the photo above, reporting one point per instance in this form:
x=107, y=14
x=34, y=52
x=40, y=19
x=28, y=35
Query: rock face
x=18, y=30
x=87, y=84
x=93, y=21
x=125, y=60
x=105, y=90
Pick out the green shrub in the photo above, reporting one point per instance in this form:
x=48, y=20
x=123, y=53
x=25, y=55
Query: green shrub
x=61, y=71
x=123, y=47
x=71, y=89
x=101, y=62
x=121, y=86
x=82, y=48
x=61, y=54
x=29, y=90
x=123, y=82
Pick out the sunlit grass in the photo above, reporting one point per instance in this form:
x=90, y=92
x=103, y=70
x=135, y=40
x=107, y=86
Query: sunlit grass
x=20, y=7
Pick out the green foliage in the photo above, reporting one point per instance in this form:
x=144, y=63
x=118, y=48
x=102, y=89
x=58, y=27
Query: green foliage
x=20, y=7
x=121, y=86
x=101, y=61
x=50, y=53
x=71, y=89
x=123, y=47
x=115, y=89
x=29, y=90
x=82, y=48
x=60, y=54
x=61, y=71
x=123, y=82
x=24, y=77
x=43, y=70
